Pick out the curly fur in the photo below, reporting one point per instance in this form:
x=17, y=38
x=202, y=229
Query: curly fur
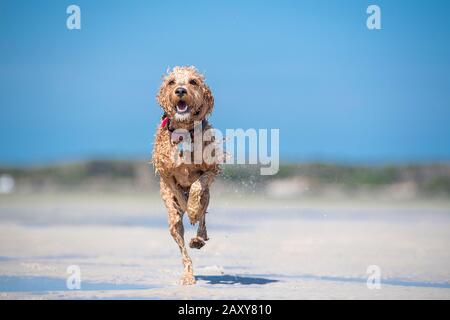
x=184, y=187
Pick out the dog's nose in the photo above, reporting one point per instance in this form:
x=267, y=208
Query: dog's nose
x=180, y=91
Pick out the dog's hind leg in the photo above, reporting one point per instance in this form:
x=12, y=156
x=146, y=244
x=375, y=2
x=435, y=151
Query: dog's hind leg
x=202, y=235
x=175, y=218
x=178, y=192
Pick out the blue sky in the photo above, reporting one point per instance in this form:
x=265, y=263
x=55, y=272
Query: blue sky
x=336, y=90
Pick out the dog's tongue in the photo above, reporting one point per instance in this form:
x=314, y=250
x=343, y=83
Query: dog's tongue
x=181, y=106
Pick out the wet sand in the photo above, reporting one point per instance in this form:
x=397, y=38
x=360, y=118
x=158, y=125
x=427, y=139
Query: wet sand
x=257, y=249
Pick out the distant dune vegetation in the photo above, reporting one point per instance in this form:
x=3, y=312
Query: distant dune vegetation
x=293, y=180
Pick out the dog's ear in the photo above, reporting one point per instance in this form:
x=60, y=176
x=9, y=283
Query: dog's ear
x=161, y=96
x=208, y=100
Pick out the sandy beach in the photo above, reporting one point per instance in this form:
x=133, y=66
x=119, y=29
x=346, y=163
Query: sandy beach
x=258, y=249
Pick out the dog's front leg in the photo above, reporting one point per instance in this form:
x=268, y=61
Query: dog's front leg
x=198, y=241
x=175, y=218
x=199, y=196
x=196, y=207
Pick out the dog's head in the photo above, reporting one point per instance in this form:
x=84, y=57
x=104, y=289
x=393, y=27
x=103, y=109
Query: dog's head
x=184, y=95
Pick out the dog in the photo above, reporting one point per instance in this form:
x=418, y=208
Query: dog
x=186, y=102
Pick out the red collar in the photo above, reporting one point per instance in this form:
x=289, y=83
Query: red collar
x=164, y=122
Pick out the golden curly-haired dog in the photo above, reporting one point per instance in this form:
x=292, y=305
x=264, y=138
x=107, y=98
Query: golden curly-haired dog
x=186, y=101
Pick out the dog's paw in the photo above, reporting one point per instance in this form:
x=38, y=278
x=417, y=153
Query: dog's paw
x=197, y=243
x=187, y=279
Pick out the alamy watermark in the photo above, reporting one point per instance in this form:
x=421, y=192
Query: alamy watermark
x=374, y=20
x=73, y=281
x=73, y=21
x=374, y=279
x=236, y=146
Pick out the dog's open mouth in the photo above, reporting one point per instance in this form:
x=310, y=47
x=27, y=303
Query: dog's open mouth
x=182, y=107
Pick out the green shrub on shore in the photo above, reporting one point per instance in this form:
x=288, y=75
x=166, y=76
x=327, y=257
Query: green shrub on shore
x=429, y=179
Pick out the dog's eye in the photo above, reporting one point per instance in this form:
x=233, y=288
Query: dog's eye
x=193, y=82
x=171, y=82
